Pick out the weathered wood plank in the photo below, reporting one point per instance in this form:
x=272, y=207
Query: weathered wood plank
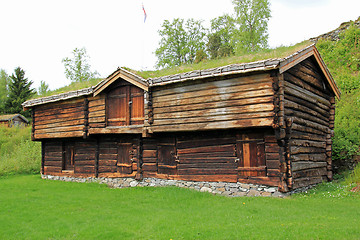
x=214, y=105
x=201, y=171
x=217, y=118
x=209, y=141
x=319, y=113
x=319, y=157
x=307, y=95
x=208, y=164
x=263, y=107
x=149, y=153
x=307, y=143
x=58, y=135
x=315, y=172
x=299, y=150
x=306, y=116
x=297, y=166
x=215, y=91
x=288, y=76
x=97, y=120
x=59, y=124
x=220, y=97
x=306, y=181
x=205, y=160
x=98, y=102
x=258, y=78
x=95, y=114
x=245, y=123
x=59, y=129
x=207, y=149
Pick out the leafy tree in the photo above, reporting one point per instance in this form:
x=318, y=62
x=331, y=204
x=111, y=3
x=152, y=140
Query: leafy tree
x=252, y=16
x=77, y=69
x=19, y=91
x=43, y=88
x=180, y=42
x=220, y=39
x=4, y=81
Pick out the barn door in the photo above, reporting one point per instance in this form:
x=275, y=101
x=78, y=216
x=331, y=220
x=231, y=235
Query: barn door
x=124, y=158
x=167, y=158
x=68, y=156
x=251, y=155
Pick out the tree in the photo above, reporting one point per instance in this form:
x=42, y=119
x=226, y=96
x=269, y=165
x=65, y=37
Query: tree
x=19, y=91
x=252, y=16
x=180, y=42
x=220, y=39
x=43, y=88
x=4, y=81
x=77, y=69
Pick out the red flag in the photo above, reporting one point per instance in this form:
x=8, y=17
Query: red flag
x=144, y=12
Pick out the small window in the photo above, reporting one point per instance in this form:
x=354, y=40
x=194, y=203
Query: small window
x=125, y=106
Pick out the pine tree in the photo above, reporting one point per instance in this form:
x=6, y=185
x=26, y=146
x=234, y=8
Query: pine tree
x=19, y=91
x=4, y=81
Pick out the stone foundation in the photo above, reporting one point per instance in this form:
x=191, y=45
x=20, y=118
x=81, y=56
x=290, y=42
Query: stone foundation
x=220, y=188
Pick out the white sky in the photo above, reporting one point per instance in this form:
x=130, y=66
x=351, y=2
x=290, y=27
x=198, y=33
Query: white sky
x=36, y=35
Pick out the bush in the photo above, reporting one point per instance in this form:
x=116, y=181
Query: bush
x=18, y=154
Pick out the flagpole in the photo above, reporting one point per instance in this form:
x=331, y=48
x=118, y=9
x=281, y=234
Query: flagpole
x=142, y=39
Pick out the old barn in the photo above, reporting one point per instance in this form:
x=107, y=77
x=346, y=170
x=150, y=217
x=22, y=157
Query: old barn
x=268, y=122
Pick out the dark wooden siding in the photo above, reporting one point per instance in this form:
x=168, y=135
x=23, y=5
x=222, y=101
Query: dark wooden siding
x=213, y=156
x=236, y=102
x=119, y=156
x=59, y=120
x=82, y=153
x=97, y=111
x=307, y=104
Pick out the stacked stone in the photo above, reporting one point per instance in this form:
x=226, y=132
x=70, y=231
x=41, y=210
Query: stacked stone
x=220, y=188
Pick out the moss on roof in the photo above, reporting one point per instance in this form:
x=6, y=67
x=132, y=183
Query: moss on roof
x=279, y=52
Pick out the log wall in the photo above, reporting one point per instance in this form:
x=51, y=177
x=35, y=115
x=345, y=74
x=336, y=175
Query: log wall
x=308, y=107
x=59, y=120
x=97, y=117
x=237, y=102
x=212, y=156
x=84, y=154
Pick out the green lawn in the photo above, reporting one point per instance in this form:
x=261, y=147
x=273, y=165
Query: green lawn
x=32, y=208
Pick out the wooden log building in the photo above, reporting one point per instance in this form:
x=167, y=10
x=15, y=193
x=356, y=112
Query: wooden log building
x=13, y=120
x=268, y=122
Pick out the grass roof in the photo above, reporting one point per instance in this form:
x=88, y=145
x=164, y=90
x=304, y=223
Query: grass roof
x=279, y=52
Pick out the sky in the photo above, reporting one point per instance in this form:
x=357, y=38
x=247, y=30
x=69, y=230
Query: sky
x=36, y=35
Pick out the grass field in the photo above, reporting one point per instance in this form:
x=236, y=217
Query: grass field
x=32, y=208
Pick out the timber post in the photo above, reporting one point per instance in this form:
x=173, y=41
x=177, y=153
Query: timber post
x=86, y=118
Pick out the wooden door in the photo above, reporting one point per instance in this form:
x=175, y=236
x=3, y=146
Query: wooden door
x=124, y=158
x=68, y=156
x=166, y=159
x=251, y=155
x=136, y=105
x=118, y=106
x=125, y=106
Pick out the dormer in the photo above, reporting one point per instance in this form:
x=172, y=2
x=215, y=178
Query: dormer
x=118, y=104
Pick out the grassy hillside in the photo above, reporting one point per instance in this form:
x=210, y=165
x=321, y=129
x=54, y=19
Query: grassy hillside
x=343, y=60
x=18, y=154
